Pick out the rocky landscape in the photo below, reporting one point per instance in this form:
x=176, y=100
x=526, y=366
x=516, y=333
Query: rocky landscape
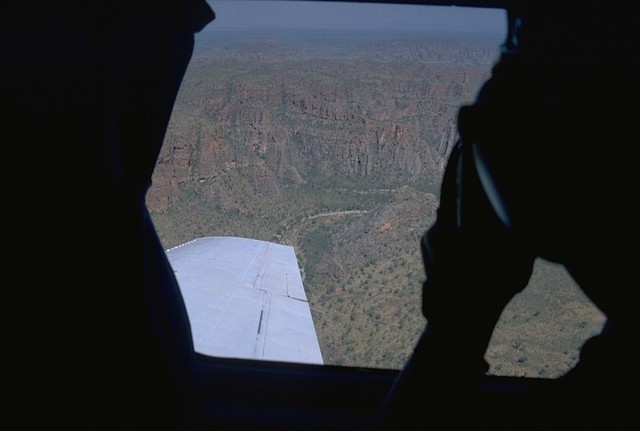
x=337, y=148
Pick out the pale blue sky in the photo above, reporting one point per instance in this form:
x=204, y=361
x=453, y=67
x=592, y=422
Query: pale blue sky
x=267, y=14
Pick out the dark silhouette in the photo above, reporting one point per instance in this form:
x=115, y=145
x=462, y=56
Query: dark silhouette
x=545, y=167
x=97, y=334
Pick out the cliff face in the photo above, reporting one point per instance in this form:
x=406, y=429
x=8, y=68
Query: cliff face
x=380, y=114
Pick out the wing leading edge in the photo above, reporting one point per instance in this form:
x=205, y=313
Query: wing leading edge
x=245, y=299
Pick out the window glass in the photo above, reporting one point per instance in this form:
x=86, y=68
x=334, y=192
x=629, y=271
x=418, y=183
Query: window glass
x=326, y=127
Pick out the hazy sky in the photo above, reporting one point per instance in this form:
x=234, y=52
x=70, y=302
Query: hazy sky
x=330, y=15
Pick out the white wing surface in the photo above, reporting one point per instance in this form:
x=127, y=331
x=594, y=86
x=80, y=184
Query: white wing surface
x=245, y=299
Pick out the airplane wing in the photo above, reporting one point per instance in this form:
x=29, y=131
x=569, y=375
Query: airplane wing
x=245, y=299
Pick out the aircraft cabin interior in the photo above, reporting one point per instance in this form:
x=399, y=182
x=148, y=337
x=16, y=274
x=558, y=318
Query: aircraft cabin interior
x=95, y=111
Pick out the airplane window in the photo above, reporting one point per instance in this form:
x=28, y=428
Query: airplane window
x=302, y=165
